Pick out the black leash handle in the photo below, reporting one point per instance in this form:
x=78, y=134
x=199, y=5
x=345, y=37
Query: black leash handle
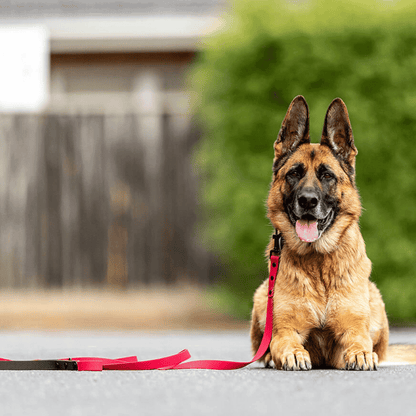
x=69, y=365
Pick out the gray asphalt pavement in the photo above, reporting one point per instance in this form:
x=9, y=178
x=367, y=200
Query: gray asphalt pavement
x=250, y=391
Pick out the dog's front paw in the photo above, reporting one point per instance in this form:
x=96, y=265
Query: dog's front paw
x=296, y=360
x=361, y=360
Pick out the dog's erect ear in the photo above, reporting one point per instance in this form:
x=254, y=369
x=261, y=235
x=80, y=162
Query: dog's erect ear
x=294, y=130
x=337, y=133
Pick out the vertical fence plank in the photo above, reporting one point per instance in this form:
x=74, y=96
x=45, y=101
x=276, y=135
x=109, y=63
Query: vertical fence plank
x=125, y=172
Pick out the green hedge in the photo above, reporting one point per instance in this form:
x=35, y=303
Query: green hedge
x=271, y=51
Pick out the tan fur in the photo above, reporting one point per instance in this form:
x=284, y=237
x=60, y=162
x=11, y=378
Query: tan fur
x=326, y=310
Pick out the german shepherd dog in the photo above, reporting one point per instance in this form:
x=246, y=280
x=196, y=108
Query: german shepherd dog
x=326, y=312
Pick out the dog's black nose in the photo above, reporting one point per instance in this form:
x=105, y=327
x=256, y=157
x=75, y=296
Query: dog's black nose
x=308, y=199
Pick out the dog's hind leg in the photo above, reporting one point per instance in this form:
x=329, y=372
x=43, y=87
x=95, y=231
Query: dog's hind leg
x=380, y=346
x=256, y=335
x=258, y=322
x=379, y=326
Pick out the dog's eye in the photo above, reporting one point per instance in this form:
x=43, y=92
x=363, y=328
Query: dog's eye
x=327, y=175
x=294, y=174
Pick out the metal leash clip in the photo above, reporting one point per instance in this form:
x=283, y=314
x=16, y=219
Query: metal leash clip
x=278, y=244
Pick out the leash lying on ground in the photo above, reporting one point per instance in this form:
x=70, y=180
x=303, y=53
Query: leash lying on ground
x=173, y=362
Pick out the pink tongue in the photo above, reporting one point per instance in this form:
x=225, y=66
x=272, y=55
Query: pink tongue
x=307, y=230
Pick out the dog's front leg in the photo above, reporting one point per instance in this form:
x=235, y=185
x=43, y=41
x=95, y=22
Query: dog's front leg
x=288, y=352
x=353, y=349
x=290, y=331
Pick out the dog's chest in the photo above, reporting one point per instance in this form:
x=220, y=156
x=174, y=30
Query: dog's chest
x=313, y=288
x=318, y=312
x=318, y=298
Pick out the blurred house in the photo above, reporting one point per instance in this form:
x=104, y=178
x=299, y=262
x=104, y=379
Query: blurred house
x=103, y=54
x=98, y=186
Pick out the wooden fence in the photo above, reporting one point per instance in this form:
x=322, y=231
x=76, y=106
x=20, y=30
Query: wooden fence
x=98, y=200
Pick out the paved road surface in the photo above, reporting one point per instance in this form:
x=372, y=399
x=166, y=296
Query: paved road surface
x=250, y=391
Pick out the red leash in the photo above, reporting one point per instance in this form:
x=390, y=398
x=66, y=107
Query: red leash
x=265, y=342
x=173, y=362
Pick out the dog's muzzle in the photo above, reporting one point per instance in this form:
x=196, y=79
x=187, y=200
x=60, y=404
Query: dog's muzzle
x=309, y=216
